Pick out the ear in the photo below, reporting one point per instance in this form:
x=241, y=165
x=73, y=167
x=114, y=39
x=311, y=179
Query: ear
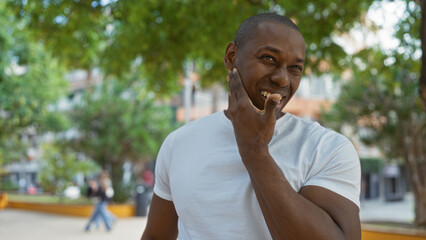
x=231, y=56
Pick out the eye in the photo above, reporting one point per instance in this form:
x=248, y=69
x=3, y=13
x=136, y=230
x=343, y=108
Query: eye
x=297, y=67
x=268, y=58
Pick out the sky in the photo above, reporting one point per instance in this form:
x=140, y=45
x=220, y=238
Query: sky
x=383, y=14
x=386, y=14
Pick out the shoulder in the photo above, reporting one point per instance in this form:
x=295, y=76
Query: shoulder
x=312, y=131
x=199, y=127
x=318, y=144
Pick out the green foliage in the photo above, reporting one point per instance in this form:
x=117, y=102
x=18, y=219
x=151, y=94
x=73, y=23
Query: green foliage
x=117, y=121
x=167, y=34
x=74, y=31
x=158, y=37
x=380, y=101
x=59, y=167
x=120, y=121
x=30, y=81
x=371, y=165
x=123, y=192
x=407, y=32
x=8, y=186
x=12, y=149
x=54, y=121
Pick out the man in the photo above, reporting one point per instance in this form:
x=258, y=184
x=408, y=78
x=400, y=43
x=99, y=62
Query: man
x=253, y=172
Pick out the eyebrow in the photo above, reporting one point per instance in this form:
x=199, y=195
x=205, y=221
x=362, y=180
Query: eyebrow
x=277, y=51
x=269, y=48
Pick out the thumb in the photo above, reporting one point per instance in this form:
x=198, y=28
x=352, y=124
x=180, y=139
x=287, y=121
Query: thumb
x=270, y=104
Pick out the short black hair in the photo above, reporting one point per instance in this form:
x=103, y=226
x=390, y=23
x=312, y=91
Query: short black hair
x=248, y=27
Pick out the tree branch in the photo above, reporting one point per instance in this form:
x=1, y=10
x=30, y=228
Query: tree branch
x=413, y=158
x=255, y=2
x=419, y=2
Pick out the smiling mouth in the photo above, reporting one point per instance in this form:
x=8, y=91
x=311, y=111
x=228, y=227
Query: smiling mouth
x=278, y=97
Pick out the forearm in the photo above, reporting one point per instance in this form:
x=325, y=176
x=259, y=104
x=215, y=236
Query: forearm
x=287, y=214
x=273, y=228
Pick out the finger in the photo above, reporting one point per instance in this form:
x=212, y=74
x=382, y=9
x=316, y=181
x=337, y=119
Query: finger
x=238, y=97
x=237, y=91
x=229, y=91
x=270, y=104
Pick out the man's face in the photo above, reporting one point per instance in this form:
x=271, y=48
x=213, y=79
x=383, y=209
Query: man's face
x=272, y=61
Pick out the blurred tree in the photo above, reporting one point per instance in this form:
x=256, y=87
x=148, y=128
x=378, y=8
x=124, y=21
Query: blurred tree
x=166, y=34
x=411, y=32
x=30, y=81
x=12, y=149
x=117, y=122
x=380, y=103
x=408, y=24
x=73, y=31
x=381, y=100
x=59, y=166
x=158, y=37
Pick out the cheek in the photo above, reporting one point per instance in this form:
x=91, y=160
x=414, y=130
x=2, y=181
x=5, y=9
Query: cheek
x=246, y=82
x=254, y=72
x=250, y=81
x=294, y=85
x=247, y=74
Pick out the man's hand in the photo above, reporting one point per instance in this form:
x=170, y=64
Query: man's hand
x=253, y=127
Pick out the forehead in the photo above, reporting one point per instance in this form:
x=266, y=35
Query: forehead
x=276, y=35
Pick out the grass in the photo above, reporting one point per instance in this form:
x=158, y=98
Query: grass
x=47, y=199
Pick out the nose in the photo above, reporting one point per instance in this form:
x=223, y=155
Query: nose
x=280, y=77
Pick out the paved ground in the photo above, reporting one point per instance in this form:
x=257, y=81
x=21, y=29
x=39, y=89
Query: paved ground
x=20, y=225
x=380, y=210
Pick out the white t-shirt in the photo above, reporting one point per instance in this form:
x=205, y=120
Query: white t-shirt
x=200, y=170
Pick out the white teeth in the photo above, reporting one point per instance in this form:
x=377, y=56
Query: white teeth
x=276, y=97
x=265, y=94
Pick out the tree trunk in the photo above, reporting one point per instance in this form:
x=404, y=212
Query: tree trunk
x=116, y=172
x=420, y=209
x=422, y=79
x=414, y=159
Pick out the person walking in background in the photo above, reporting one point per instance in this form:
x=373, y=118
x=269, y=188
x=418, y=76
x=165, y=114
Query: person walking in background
x=148, y=178
x=104, y=192
x=92, y=192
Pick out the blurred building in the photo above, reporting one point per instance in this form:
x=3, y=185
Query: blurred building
x=313, y=95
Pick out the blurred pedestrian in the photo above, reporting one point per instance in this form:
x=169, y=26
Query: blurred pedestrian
x=92, y=192
x=104, y=192
x=148, y=178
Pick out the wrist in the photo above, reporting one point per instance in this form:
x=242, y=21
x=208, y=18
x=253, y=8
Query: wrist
x=251, y=153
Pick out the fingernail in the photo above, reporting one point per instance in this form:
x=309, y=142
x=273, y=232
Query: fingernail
x=276, y=97
x=234, y=70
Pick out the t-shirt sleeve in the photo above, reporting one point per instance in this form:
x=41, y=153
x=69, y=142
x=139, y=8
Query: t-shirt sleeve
x=340, y=173
x=162, y=167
